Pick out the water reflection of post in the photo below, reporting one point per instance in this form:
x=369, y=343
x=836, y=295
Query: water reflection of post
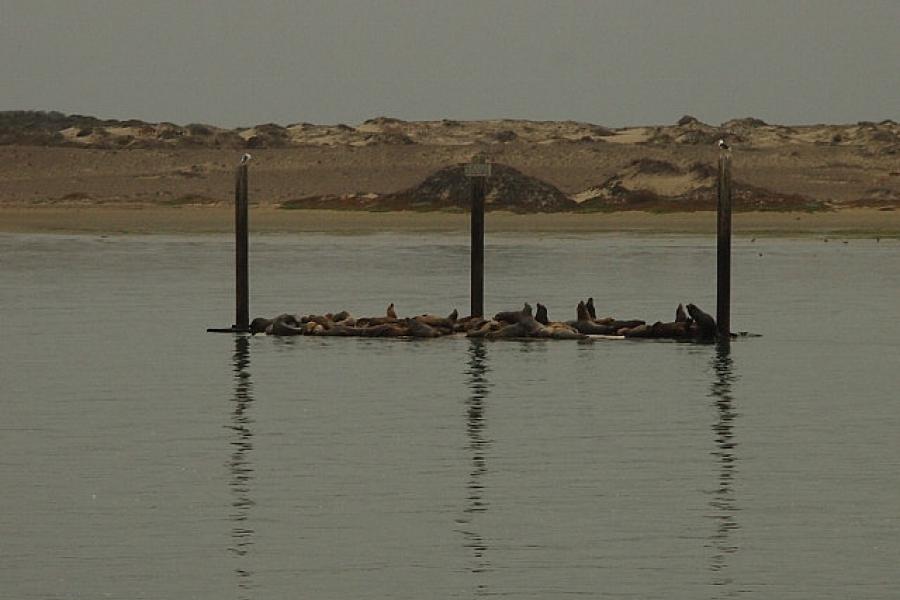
x=478, y=446
x=723, y=503
x=239, y=463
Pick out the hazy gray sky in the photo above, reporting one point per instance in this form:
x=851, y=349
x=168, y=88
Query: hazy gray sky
x=609, y=62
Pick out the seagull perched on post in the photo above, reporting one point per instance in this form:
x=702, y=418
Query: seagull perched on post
x=723, y=145
x=245, y=159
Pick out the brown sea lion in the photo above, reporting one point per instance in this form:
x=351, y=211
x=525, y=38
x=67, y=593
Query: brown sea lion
x=285, y=325
x=659, y=330
x=639, y=331
x=480, y=327
x=524, y=327
x=384, y=330
x=680, y=315
x=508, y=316
x=340, y=316
x=447, y=322
x=420, y=330
x=592, y=313
x=259, y=325
x=584, y=324
x=390, y=312
x=514, y=330
x=554, y=329
x=704, y=325
x=560, y=331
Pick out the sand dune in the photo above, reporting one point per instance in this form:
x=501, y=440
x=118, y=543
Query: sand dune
x=50, y=159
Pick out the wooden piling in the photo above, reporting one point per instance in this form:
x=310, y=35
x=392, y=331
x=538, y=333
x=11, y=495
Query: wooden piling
x=723, y=247
x=241, y=262
x=477, y=289
x=477, y=171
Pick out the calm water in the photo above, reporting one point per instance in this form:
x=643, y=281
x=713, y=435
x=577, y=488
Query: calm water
x=144, y=458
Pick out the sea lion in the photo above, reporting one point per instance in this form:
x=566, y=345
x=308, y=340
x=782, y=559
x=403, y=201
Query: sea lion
x=640, y=331
x=658, y=330
x=592, y=313
x=584, y=324
x=340, y=316
x=514, y=330
x=508, y=316
x=616, y=324
x=704, y=325
x=259, y=325
x=555, y=329
x=680, y=315
x=383, y=330
x=525, y=326
x=480, y=328
x=420, y=330
x=447, y=322
x=285, y=325
x=390, y=317
x=341, y=330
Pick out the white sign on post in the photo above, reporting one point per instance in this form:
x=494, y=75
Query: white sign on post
x=478, y=170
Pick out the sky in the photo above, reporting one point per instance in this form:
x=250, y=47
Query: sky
x=610, y=62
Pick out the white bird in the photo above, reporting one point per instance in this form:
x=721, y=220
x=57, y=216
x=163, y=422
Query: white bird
x=723, y=145
x=245, y=159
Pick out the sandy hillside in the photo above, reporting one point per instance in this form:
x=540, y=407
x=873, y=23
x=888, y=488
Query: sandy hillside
x=49, y=159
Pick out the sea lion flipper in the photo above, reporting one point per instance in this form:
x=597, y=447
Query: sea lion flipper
x=590, y=308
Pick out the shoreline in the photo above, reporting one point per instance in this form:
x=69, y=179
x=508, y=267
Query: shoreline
x=152, y=219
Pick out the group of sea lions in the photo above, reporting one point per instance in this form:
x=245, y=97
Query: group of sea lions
x=345, y=325
x=694, y=324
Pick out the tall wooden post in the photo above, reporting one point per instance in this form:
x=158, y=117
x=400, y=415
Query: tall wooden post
x=241, y=262
x=477, y=171
x=723, y=247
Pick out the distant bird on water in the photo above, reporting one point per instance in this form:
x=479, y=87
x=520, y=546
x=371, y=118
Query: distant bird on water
x=245, y=159
x=723, y=145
